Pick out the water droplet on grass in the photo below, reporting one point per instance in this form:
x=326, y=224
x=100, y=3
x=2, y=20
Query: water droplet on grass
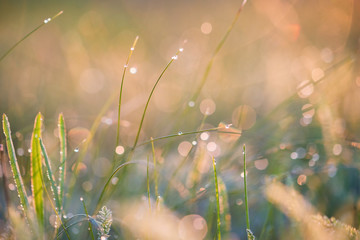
x=180, y=133
x=76, y=149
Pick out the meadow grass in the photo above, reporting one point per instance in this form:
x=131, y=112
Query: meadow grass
x=181, y=194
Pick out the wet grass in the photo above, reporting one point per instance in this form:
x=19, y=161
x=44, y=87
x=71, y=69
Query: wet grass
x=184, y=188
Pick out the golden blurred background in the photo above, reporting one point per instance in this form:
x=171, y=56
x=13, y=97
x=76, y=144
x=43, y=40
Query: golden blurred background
x=287, y=77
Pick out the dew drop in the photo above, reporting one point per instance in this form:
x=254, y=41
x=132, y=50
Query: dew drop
x=29, y=150
x=114, y=180
x=133, y=70
x=191, y=104
x=132, y=49
x=181, y=49
x=81, y=199
x=125, y=66
x=194, y=143
x=76, y=149
x=180, y=133
x=175, y=57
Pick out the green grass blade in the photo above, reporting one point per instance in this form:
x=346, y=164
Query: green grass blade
x=149, y=98
x=27, y=35
x=51, y=177
x=14, y=166
x=250, y=235
x=87, y=215
x=36, y=170
x=63, y=154
x=121, y=90
x=54, y=208
x=217, y=201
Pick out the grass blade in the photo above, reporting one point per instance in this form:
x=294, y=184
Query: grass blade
x=217, y=201
x=87, y=215
x=250, y=235
x=54, y=208
x=121, y=90
x=27, y=35
x=63, y=153
x=36, y=170
x=149, y=98
x=14, y=166
x=51, y=177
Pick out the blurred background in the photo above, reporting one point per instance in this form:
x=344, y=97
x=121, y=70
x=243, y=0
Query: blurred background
x=287, y=78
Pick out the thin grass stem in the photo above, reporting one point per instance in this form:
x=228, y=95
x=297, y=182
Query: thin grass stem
x=250, y=235
x=29, y=34
x=87, y=215
x=188, y=133
x=120, y=93
x=149, y=98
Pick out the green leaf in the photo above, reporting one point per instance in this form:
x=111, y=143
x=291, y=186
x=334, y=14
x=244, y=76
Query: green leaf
x=217, y=200
x=63, y=152
x=36, y=172
x=14, y=166
x=51, y=177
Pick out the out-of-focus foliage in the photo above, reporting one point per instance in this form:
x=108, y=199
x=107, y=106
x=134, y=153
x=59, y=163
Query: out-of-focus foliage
x=287, y=78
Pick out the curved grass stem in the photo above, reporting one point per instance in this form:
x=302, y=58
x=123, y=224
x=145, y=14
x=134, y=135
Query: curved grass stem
x=149, y=98
x=120, y=93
